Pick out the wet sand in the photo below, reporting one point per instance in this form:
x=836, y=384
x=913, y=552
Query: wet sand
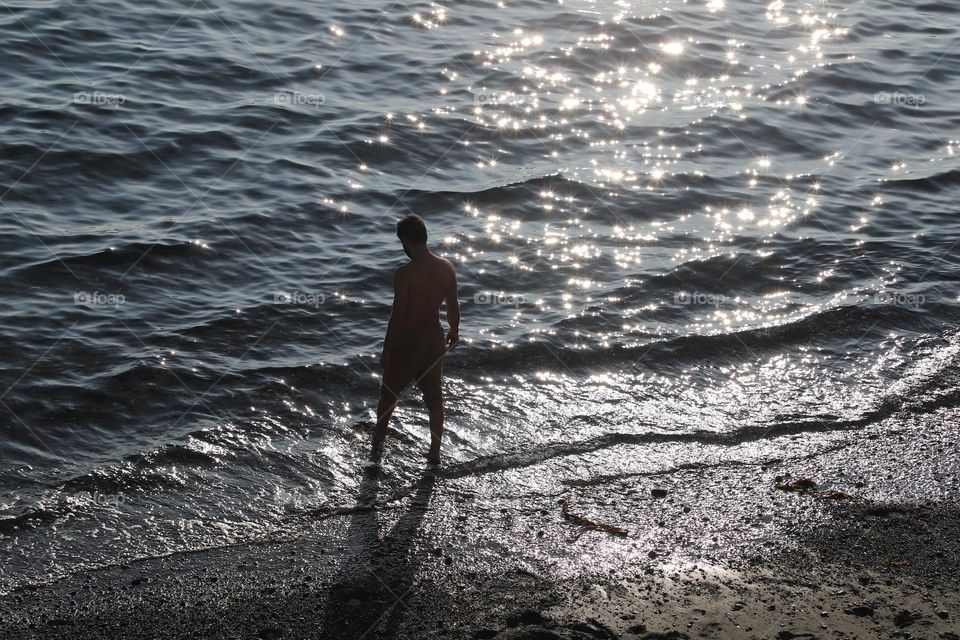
x=711, y=551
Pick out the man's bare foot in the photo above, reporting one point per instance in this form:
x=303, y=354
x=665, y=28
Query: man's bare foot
x=432, y=458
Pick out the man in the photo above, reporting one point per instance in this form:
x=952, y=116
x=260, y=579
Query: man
x=414, y=346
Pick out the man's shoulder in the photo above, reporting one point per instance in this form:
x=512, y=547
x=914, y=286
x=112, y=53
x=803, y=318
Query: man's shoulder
x=401, y=271
x=446, y=263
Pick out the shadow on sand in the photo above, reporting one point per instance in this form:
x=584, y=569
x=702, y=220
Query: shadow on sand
x=367, y=598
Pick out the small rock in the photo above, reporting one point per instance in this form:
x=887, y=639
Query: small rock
x=525, y=617
x=943, y=615
x=59, y=622
x=860, y=610
x=658, y=493
x=905, y=618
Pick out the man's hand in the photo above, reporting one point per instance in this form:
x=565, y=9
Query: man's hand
x=453, y=337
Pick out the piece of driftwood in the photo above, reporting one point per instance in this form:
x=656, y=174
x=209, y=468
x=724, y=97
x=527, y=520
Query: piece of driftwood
x=808, y=487
x=588, y=524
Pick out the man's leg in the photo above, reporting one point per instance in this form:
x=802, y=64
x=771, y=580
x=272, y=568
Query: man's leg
x=394, y=381
x=431, y=384
x=388, y=402
x=435, y=406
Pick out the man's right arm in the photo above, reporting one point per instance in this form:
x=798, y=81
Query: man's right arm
x=453, y=310
x=397, y=313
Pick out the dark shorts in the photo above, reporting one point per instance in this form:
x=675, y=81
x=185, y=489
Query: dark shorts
x=417, y=359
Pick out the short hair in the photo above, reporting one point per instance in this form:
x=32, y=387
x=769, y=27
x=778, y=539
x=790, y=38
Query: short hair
x=412, y=228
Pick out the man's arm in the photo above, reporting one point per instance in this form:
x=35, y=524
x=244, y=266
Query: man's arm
x=398, y=312
x=453, y=310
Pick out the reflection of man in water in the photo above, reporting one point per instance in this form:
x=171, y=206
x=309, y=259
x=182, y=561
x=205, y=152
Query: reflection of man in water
x=415, y=345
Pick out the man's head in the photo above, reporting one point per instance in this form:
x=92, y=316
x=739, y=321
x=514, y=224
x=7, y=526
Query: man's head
x=412, y=231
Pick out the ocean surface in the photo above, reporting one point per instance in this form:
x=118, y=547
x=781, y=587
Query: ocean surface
x=687, y=222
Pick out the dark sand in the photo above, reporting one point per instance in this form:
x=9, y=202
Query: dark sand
x=723, y=554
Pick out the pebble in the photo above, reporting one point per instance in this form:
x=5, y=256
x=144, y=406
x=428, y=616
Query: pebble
x=905, y=618
x=525, y=617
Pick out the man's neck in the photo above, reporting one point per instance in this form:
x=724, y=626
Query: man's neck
x=418, y=251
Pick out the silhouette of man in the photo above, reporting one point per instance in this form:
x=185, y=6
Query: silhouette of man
x=414, y=346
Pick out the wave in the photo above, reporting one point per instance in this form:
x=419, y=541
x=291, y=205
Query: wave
x=30, y=519
x=837, y=323
x=937, y=183
x=504, y=462
x=116, y=258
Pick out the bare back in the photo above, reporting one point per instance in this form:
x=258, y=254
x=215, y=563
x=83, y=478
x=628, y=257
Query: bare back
x=428, y=281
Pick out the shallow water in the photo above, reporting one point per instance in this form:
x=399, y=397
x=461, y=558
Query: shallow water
x=668, y=218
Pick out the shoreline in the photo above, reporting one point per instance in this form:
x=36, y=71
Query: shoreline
x=711, y=551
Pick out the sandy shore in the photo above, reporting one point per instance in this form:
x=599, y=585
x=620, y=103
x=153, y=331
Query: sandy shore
x=713, y=549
